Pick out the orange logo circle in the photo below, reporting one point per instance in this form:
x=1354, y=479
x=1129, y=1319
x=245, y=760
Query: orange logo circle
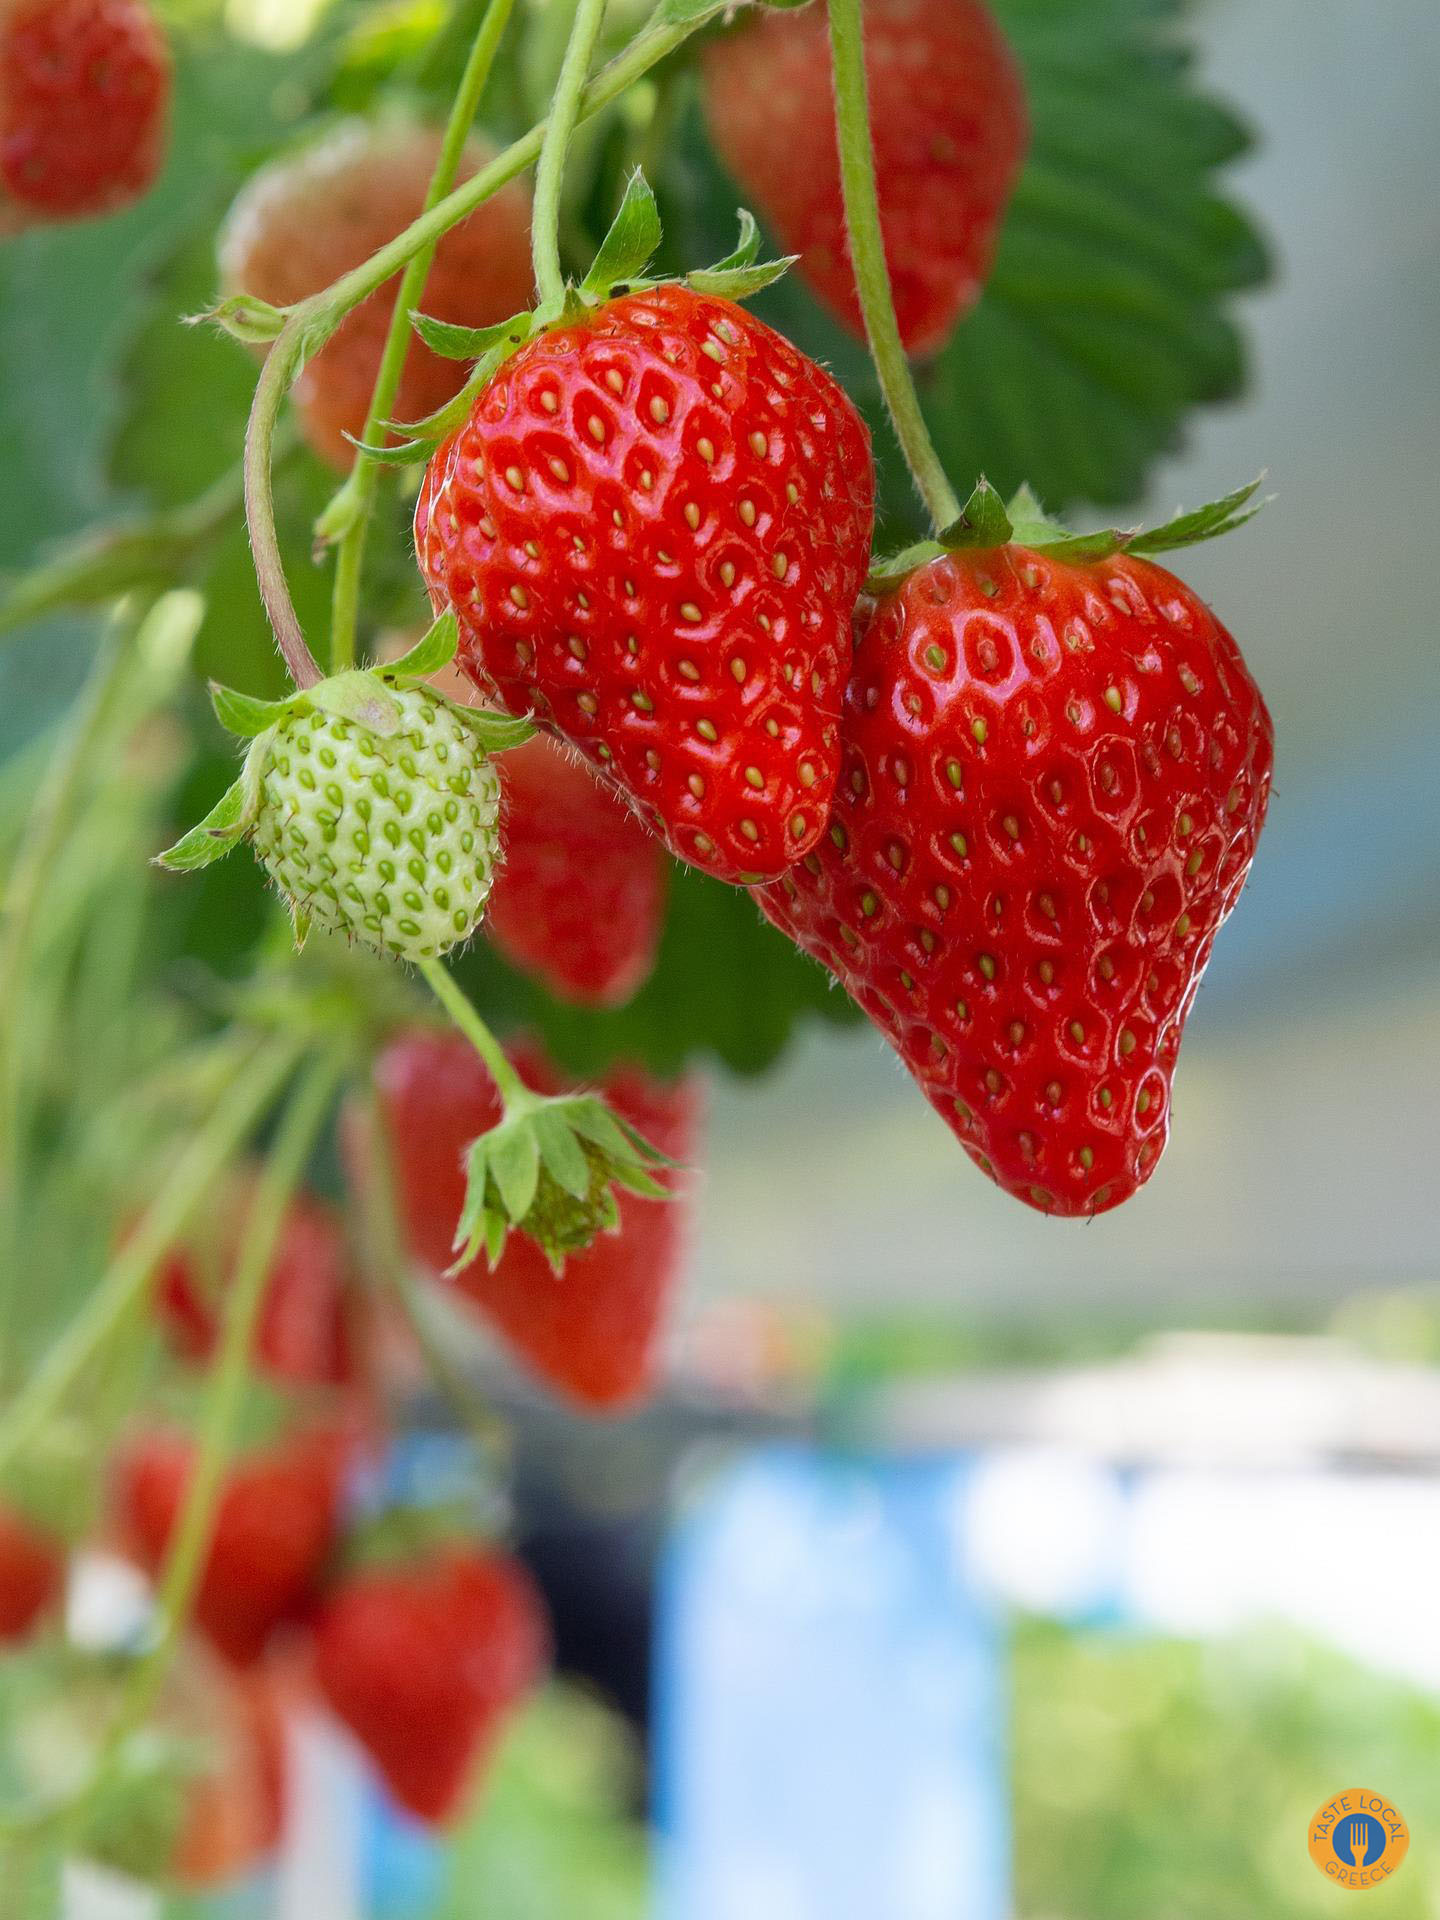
x=1358, y=1839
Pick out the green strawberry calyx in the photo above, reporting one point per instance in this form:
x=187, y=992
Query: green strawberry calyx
x=986, y=521
x=549, y=1169
x=618, y=268
x=364, y=696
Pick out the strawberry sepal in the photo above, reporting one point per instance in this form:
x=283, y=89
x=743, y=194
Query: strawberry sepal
x=986, y=522
x=549, y=1169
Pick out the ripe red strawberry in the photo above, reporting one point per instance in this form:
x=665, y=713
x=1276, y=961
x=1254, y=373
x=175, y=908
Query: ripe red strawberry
x=84, y=89
x=1055, y=775
x=580, y=899
x=653, y=528
x=590, y=1332
x=302, y=222
x=949, y=129
x=303, y=1335
x=424, y=1662
x=274, y=1530
x=32, y=1573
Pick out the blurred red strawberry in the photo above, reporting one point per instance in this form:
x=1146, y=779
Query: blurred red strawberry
x=303, y=1335
x=591, y=1332
x=275, y=1528
x=32, y=1573
x=580, y=899
x=424, y=1662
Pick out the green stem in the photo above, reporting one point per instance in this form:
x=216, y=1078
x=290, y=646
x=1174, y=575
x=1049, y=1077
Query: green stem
x=443, y=986
x=565, y=109
x=398, y=1272
x=129, y=1273
x=282, y=363
x=867, y=254
x=364, y=480
x=185, y=1560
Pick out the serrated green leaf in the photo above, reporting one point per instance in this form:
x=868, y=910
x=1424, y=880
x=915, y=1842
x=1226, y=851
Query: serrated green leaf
x=361, y=696
x=1107, y=317
x=239, y=714
x=513, y=1161
x=428, y=655
x=468, y=343
x=630, y=243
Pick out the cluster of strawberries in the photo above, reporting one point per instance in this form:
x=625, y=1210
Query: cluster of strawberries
x=422, y=1640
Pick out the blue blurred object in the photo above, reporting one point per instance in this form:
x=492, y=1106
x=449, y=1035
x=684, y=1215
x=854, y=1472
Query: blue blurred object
x=403, y=1865
x=829, y=1718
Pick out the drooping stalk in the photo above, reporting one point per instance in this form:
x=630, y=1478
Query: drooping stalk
x=185, y=1560
x=129, y=1273
x=867, y=254
x=468, y=1020
x=565, y=112
x=282, y=364
x=364, y=480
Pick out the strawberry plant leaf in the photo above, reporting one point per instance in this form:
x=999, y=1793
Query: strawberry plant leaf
x=1106, y=321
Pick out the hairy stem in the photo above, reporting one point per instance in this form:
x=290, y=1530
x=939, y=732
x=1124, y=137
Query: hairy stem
x=565, y=112
x=867, y=254
x=129, y=1273
x=185, y=1560
x=282, y=364
x=364, y=480
x=443, y=986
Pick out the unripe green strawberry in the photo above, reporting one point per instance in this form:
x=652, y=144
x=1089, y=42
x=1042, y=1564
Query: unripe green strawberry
x=370, y=800
x=390, y=837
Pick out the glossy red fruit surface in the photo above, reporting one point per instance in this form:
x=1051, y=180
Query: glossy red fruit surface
x=304, y=221
x=592, y=1332
x=653, y=529
x=423, y=1663
x=274, y=1530
x=580, y=898
x=84, y=93
x=1055, y=776
x=949, y=126
x=303, y=1335
x=32, y=1574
